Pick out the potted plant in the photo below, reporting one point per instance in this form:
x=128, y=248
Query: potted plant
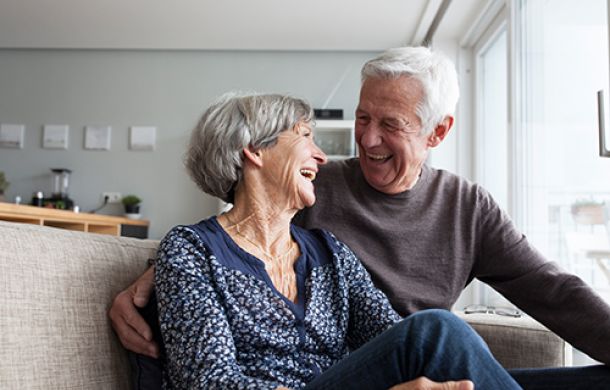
x=131, y=204
x=588, y=212
x=3, y=185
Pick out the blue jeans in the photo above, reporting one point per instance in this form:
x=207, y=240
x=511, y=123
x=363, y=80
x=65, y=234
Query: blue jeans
x=147, y=371
x=568, y=378
x=431, y=343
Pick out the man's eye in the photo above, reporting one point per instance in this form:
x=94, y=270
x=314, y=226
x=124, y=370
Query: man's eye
x=391, y=127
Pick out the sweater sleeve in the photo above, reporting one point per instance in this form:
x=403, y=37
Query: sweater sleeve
x=370, y=312
x=561, y=301
x=197, y=336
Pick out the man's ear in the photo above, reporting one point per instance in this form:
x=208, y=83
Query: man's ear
x=254, y=156
x=440, y=132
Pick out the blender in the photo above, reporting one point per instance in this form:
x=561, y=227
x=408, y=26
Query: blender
x=61, y=181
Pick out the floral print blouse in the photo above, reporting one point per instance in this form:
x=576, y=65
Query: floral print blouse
x=225, y=326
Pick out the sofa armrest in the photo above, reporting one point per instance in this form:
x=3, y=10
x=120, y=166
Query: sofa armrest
x=520, y=342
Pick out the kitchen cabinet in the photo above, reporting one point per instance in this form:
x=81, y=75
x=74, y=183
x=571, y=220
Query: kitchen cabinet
x=336, y=138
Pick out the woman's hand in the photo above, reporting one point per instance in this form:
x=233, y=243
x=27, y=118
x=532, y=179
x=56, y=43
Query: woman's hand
x=423, y=383
x=134, y=333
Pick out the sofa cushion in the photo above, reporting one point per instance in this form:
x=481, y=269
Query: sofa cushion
x=519, y=342
x=55, y=289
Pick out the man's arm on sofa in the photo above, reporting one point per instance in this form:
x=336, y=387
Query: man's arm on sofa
x=129, y=325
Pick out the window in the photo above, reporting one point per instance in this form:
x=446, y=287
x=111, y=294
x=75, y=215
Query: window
x=490, y=59
x=543, y=75
x=491, y=136
x=536, y=134
x=564, y=62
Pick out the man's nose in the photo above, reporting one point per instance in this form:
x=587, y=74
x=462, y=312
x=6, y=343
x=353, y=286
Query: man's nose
x=370, y=136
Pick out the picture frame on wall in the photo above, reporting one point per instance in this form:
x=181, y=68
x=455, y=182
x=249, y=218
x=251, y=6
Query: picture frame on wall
x=11, y=136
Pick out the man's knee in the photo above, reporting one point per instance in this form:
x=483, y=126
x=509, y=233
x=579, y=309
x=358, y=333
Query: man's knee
x=437, y=317
x=439, y=324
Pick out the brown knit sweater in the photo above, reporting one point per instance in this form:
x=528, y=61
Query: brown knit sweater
x=425, y=245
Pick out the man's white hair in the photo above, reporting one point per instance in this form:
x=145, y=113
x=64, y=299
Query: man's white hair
x=434, y=71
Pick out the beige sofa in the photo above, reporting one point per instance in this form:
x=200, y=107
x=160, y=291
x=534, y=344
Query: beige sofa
x=56, y=287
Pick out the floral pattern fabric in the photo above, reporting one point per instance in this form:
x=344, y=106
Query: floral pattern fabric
x=225, y=326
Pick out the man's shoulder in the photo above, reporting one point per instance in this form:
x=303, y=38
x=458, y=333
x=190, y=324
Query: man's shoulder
x=444, y=175
x=446, y=181
x=338, y=167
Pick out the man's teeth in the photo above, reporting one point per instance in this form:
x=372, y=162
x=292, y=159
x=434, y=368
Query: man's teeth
x=311, y=175
x=377, y=156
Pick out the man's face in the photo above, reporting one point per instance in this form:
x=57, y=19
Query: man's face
x=391, y=148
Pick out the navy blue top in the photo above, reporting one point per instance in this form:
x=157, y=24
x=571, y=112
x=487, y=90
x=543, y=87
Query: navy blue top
x=231, y=255
x=225, y=325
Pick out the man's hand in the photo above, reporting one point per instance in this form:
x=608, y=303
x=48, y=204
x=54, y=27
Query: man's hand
x=133, y=331
x=424, y=383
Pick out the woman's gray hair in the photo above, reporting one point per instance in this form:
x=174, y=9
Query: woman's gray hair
x=214, y=157
x=435, y=72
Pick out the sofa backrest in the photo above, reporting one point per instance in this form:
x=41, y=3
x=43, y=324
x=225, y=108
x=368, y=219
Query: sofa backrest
x=55, y=289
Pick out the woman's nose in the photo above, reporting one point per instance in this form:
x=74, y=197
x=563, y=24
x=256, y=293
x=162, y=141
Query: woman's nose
x=319, y=155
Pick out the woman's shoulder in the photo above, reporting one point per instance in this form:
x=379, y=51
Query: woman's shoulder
x=184, y=243
x=178, y=233
x=201, y=231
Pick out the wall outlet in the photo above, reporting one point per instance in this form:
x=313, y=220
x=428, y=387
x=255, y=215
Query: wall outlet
x=113, y=197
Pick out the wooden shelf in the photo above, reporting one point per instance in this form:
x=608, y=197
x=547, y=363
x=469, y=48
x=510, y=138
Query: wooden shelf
x=80, y=226
x=113, y=230
x=63, y=219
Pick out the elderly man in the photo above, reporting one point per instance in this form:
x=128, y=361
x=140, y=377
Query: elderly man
x=422, y=233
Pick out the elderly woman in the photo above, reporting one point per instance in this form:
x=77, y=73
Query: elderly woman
x=247, y=300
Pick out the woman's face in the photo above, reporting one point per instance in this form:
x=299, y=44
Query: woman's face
x=291, y=165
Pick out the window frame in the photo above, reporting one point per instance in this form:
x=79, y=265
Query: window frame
x=498, y=26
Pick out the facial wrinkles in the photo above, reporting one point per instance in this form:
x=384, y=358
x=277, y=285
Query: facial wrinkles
x=390, y=106
x=291, y=169
x=401, y=143
x=386, y=118
x=399, y=176
x=416, y=155
x=283, y=174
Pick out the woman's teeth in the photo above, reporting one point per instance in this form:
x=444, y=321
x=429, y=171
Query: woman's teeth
x=308, y=174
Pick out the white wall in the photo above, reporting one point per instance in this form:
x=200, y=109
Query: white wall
x=166, y=89
x=454, y=153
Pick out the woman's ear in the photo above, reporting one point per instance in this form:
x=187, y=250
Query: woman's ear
x=254, y=156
